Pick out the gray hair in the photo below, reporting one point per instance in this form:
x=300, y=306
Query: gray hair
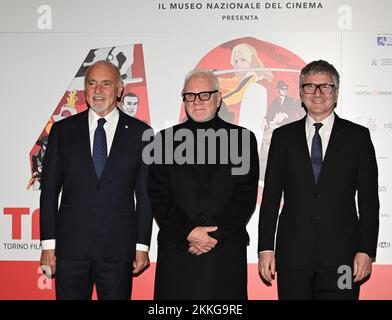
x=107, y=63
x=202, y=73
x=320, y=66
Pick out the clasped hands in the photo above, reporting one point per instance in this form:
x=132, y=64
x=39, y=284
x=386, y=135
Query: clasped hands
x=200, y=241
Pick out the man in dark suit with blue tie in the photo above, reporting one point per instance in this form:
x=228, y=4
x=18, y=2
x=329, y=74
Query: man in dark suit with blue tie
x=324, y=247
x=97, y=236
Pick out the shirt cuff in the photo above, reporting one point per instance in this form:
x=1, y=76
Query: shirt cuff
x=48, y=244
x=266, y=251
x=142, y=247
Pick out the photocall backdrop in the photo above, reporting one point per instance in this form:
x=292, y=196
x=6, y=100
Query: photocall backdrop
x=48, y=45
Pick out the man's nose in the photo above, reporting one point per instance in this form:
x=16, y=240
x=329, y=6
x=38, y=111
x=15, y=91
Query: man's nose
x=198, y=100
x=98, y=88
x=318, y=91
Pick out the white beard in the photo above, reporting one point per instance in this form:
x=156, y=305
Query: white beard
x=99, y=109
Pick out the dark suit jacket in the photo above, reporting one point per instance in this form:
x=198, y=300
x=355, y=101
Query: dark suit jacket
x=95, y=215
x=318, y=222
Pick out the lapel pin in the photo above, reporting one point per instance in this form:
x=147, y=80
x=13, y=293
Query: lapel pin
x=126, y=126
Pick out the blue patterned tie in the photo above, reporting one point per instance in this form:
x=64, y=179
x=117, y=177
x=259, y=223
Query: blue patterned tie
x=317, y=151
x=100, y=148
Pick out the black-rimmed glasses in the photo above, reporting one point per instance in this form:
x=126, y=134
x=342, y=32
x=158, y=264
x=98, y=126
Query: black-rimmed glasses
x=311, y=88
x=203, y=96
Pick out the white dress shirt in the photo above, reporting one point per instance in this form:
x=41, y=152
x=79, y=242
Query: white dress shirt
x=324, y=131
x=325, y=134
x=110, y=129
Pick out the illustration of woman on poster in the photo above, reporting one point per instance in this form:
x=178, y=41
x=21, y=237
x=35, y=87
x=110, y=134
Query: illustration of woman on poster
x=244, y=88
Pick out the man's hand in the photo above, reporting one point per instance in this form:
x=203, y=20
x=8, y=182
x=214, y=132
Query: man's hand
x=267, y=265
x=200, y=241
x=31, y=181
x=141, y=261
x=48, y=262
x=362, y=266
x=193, y=250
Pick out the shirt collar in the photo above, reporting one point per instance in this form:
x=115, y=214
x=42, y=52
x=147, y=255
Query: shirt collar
x=110, y=117
x=327, y=122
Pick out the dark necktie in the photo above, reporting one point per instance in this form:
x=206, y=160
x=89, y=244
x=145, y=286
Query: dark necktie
x=317, y=151
x=100, y=147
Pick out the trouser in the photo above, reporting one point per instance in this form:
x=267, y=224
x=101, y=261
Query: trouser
x=315, y=283
x=75, y=279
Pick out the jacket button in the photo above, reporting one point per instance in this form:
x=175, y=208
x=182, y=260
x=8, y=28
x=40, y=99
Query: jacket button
x=317, y=195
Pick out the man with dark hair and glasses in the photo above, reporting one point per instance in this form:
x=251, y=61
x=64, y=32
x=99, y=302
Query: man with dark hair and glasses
x=324, y=247
x=202, y=208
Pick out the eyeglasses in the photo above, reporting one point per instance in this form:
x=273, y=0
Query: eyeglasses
x=203, y=96
x=311, y=88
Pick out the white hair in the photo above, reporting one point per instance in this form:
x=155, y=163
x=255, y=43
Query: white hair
x=202, y=73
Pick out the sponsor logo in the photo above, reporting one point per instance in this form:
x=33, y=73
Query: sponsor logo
x=384, y=245
x=388, y=125
x=381, y=62
x=382, y=189
x=384, y=41
x=371, y=125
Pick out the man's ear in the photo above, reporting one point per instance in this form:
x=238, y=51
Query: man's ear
x=336, y=96
x=220, y=99
x=301, y=95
